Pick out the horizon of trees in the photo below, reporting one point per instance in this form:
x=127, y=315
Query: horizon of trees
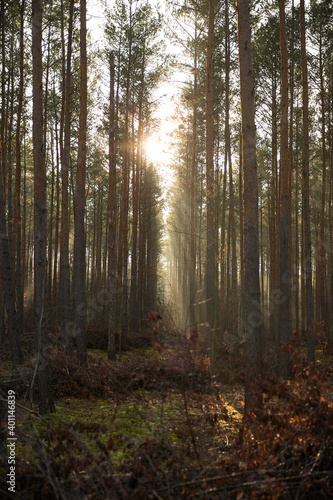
x=249, y=252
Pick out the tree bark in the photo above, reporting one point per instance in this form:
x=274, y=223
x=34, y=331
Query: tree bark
x=112, y=220
x=79, y=274
x=137, y=166
x=193, y=325
x=233, y=325
x=64, y=285
x=17, y=236
x=285, y=273
x=40, y=225
x=125, y=200
x=210, y=201
x=6, y=263
x=306, y=193
x=321, y=251
x=252, y=316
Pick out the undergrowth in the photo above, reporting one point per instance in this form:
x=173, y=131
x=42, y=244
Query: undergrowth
x=157, y=424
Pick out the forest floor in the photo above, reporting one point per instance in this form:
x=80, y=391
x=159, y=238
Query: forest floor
x=158, y=424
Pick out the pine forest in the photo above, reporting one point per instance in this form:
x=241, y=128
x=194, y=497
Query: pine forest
x=166, y=249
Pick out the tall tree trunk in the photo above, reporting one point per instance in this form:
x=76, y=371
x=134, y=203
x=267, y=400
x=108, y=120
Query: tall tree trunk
x=43, y=361
x=294, y=168
x=285, y=273
x=137, y=166
x=193, y=187
x=56, y=235
x=306, y=193
x=9, y=142
x=321, y=252
x=142, y=241
x=274, y=223
x=232, y=229
x=252, y=316
x=79, y=274
x=99, y=230
x=3, y=97
x=64, y=284
x=330, y=216
x=51, y=222
x=223, y=301
x=125, y=197
x=241, y=225
x=6, y=262
x=210, y=247
x=24, y=276
x=112, y=220
x=7, y=276
x=17, y=243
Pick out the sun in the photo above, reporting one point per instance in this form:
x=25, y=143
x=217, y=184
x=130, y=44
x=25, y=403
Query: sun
x=159, y=142
x=158, y=150
x=154, y=149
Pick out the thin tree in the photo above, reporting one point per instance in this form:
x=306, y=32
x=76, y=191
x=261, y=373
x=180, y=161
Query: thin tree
x=17, y=234
x=210, y=247
x=112, y=219
x=233, y=326
x=306, y=192
x=6, y=272
x=322, y=286
x=193, y=182
x=64, y=285
x=137, y=167
x=252, y=317
x=125, y=189
x=285, y=212
x=79, y=272
x=40, y=225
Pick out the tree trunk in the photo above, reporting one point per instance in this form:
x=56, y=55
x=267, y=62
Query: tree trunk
x=7, y=277
x=233, y=325
x=285, y=306
x=193, y=326
x=274, y=224
x=79, y=274
x=210, y=249
x=321, y=252
x=137, y=166
x=56, y=235
x=294, y=168
x=306, y=193
x=64, y=285
x=252, y=316
x=241, y=225
x=43, y=361
x=112, y=220
x=17, y=243
x=125, y=199
x=5, y=258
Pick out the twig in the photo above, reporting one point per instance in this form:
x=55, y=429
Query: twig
x=191, y=430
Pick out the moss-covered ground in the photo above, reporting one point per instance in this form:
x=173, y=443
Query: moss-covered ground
x=171, y=415
x=157, y=424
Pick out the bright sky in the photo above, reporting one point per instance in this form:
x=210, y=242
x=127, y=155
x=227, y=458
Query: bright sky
x=158, y=145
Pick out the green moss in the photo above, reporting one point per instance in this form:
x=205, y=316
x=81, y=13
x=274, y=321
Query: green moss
x=98, y=352
x=128, y=423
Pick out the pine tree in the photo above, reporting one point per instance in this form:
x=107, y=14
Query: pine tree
x=252, y=318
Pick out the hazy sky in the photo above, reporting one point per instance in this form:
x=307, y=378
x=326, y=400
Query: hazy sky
x=158, y=146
